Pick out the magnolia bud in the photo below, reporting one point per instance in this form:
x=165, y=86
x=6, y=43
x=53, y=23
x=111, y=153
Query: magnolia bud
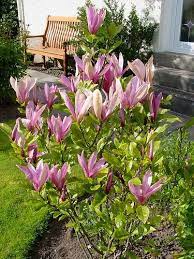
x=97, y=103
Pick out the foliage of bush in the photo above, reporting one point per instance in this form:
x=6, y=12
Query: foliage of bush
x=135, y=35
x=11, y=50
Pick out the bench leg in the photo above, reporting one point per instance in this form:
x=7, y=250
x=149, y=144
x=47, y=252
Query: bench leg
x=44, y=62
x=65, y=60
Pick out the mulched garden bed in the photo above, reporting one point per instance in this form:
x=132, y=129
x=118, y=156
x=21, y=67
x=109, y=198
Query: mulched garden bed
x=58, y=243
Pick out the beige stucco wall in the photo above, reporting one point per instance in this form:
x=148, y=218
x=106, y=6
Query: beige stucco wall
x=36, y=11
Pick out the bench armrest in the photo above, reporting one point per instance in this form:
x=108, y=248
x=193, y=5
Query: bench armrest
x=35, y=36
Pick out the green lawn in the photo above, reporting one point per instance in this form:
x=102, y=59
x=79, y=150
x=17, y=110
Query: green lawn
x=20, y=219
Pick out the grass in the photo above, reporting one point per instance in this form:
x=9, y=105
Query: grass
x=20, y=219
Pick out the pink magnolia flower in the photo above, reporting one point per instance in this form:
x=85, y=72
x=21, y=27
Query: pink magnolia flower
x=154, y=104
x=58, y=176
x=104, y=109
x=136, y=92
x=60, y=128
x=91, y=167
x=50, y=94
x=83, y=102
x=109, y=183
x=37, y=175
x=33, y=120
x=17, y=135
x=95, y=18
x=22, y=88
x=33, y=153
x=88, y=70
x=143, y=191
x=143, y=72
x=70, y=83
x=118, y=64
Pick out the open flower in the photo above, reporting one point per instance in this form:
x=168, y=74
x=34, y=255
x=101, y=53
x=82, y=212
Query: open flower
x=143, y=72
x=33, y=153
x=37, y=175
x=58, y=176
x=154, y=104
x=60, y=128
x=33, y=120
x=136, y=92
x=91, y=167
x=95, y=18
x=143, y=191
x=23, y=88
x=118, y=64
x=50, y=94
x=104, y=109
x=83, y=102
x=70, y=83
x=88, y=70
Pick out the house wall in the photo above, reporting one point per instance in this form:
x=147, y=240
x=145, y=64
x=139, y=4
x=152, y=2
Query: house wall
x=36, y=11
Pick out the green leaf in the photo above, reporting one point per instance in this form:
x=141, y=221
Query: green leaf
x=189, y=123
x=113, y=29
x=120, y=220
x=115, y=45
x=5, y=129
x=100, y=144
x=143, y=213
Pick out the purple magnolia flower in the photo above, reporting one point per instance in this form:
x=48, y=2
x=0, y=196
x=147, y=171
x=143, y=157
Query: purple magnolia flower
x=143, y=72
x=83, y=102
x=33, y=120
x=118, y=64
x=154, y=104
x=95, y=18
x=37, y=175
x=60, y=128
x=50, y=94
x=91, y=167
x=70, y=83
x=58, y=176
x=104, y=109
x=17, y=136
x=136, y=92
x=33, y=153
x=109, y=183
x=143, y=191
x=88, y=70
x=23, y=88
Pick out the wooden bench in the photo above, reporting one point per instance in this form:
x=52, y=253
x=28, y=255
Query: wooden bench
x=55, y=41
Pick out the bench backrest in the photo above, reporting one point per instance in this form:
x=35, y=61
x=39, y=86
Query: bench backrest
x=60, y=29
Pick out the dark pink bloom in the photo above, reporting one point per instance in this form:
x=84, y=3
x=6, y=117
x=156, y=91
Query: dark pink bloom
x=136, y=92
x=91, y=167
x=109, y=183
x=50, y=94
x=143, y=191
x=154, y=104
x=17, y=135
x=58, y=176
x=108, y=78
x=22, y=88
x=33, y=153
x=37, y=175
x=83, y=102
x=33, y=120
x=70, y=83
x=95, y=18
x=60, y=128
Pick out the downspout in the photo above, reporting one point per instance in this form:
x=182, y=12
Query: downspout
x=21, y=16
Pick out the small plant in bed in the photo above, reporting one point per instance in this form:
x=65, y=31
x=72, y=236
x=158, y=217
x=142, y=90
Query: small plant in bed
x=99, y=163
